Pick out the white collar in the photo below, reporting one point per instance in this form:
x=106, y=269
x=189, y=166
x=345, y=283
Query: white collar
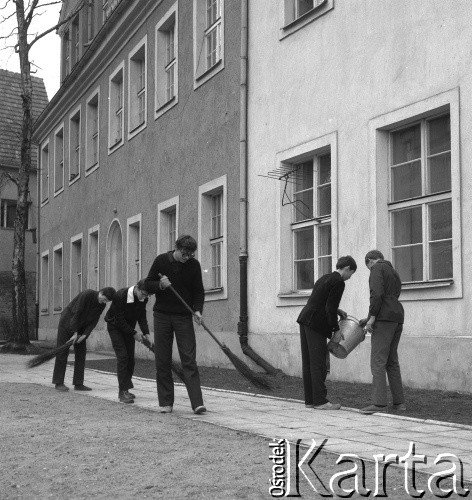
x=130, y=297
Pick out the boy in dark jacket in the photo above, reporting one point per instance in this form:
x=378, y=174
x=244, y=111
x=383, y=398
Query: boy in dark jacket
x=127, y=309
x=385, y=323
x=78, y=319
x=318, y=320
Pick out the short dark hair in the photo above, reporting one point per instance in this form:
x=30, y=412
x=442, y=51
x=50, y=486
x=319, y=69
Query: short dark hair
x=346, y=261
x=142, y=285
x=186, y=242
x=373, y=255
x=109, y=292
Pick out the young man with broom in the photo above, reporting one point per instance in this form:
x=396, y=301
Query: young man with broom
x=180, y=269
x=127, y=308
x=78, y=319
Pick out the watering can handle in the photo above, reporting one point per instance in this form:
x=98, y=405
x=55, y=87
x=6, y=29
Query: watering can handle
x=352, y=318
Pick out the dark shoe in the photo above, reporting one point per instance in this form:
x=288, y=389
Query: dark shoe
x=368, y=410
x=81, y=387
x=328, y=406
x=165, y=409
x=61, y=387
x=399, y=407
x=199, y=410
x=130, y=394
x=124, y=398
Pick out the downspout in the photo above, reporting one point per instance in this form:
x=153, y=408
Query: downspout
x=243, y=174
x=38, y=239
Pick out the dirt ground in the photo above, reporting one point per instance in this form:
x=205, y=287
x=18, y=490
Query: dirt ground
x=71, y=446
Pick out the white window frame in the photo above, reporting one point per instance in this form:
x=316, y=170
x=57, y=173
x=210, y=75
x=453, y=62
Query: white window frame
x=290, y=24
x=161, y=103
x=56, y=309
x=45, y=199
x=72, y=149
x=75, y=40
x=133, y=100
x=44, y=289
x=163, y=209
x=58, y=129
x=286, y=296
x=73, y=241
x=107, y=250
x=90, y=20
x=93, y=167
x=202, y=73
x=133, y=221
x=91, y=232
x=204, y=198
x=379, y=131
x=114, y=145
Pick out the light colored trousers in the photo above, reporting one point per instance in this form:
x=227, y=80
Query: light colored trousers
x=384, y=363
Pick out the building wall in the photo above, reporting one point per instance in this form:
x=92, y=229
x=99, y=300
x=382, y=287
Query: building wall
x=193, y=143
x=341, y=78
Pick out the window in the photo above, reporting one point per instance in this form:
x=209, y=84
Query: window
x=66, y=53
x=90, y=20
x=57, y=278
x=7, y=213
x=297, y=13
x=137, y=88
x=75, y=41
x=74, y=146
x=134, y=249
x=212, y=238
x=76, y=265
x=166, y=66
x=92, y=134
x=108, y=7
x=59, y=160
x=116, y=113
x=167, y=224
x=311, y=220
x=44, y=301
x=420, y=200
x=208, y=38
x=45, y=173
x=93, y=278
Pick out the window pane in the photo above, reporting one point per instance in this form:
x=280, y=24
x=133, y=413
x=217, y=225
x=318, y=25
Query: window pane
x=304, y=273
x=407, y=226
x=440, y=258
x=406, y=181
x=304, y=176
x=324, y=265
x=439, y=173
x=406, y=144
x=304, y=245
x=324, y=240
x=439, y=135
x=324, y=200
x=408, y=261
x=303, y=206
x=304, y=6
x=440, y=218
x=324, y=172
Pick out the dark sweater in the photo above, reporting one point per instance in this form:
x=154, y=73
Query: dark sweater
x=321, y=310
x=123, y=316
x=83, y=312
x=186, y=278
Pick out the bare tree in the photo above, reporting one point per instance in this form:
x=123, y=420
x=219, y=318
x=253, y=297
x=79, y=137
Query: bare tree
x=19, y=341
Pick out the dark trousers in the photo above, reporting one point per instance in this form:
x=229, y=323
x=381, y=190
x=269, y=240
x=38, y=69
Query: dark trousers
x=63, y=335
x=164, y=327
x=384, y=362
x=314, y=366
x=123, y=345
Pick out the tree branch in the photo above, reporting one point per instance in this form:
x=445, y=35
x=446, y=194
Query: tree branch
x=29, y=16
x=9, y=177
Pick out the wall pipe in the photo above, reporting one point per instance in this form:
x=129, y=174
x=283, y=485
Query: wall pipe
x=243, y=174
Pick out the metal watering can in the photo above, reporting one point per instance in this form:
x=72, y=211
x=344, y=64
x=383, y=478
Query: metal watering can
x=353, y=335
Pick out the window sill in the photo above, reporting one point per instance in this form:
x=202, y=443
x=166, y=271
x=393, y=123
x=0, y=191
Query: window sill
x=44, y=202
x=113, y=147
x=312, y=12
x=215, y=294
x=426, y=284
x=307, y=18
x=91, y=169
x=7, y=228
x=57, y=311
x=292, y=299
x=167, y=103
x=208, y=74
x=57, y=193
x=136, y=130
x=73, y=179
x=44, y=312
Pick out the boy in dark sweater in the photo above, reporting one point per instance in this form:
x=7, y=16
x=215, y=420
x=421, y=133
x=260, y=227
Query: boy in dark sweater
x=183, y=271
x=127, y=308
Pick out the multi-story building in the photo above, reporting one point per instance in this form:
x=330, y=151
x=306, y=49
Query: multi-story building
x=361, y=111
x=11, y=113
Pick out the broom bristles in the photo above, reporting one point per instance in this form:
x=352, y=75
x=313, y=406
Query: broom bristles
x=245, y=371
x=42, y=358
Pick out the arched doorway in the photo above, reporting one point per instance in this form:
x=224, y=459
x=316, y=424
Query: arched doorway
x=114, y=256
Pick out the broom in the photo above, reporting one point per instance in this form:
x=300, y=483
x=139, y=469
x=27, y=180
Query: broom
x=42, y=358
x=240, y=365
x=176, y=368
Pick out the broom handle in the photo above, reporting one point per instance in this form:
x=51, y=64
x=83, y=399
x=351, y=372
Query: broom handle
x=177, y=294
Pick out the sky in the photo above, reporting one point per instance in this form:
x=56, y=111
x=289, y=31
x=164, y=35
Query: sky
x=45, y=53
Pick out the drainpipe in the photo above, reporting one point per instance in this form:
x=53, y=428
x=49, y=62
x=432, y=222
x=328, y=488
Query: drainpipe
x=243, y=255
x=38, y=238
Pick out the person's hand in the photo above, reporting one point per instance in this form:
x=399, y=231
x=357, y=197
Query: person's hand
x=164, y=283
x=81, y=338
x=73, y=338
x=197, y=316
x=337, y=337
x=342, y=314
x=138, y=336
x=147, y=338
x=369, y=326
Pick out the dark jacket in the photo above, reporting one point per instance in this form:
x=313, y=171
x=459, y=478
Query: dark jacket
x=385, y=288
x=81, y=315
x=186, y=278
x=321, y=310
x=123, y=316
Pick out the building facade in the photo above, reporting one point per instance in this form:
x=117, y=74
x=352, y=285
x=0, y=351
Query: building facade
x=360, y=115
x=140, y=145
x=11, y=113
